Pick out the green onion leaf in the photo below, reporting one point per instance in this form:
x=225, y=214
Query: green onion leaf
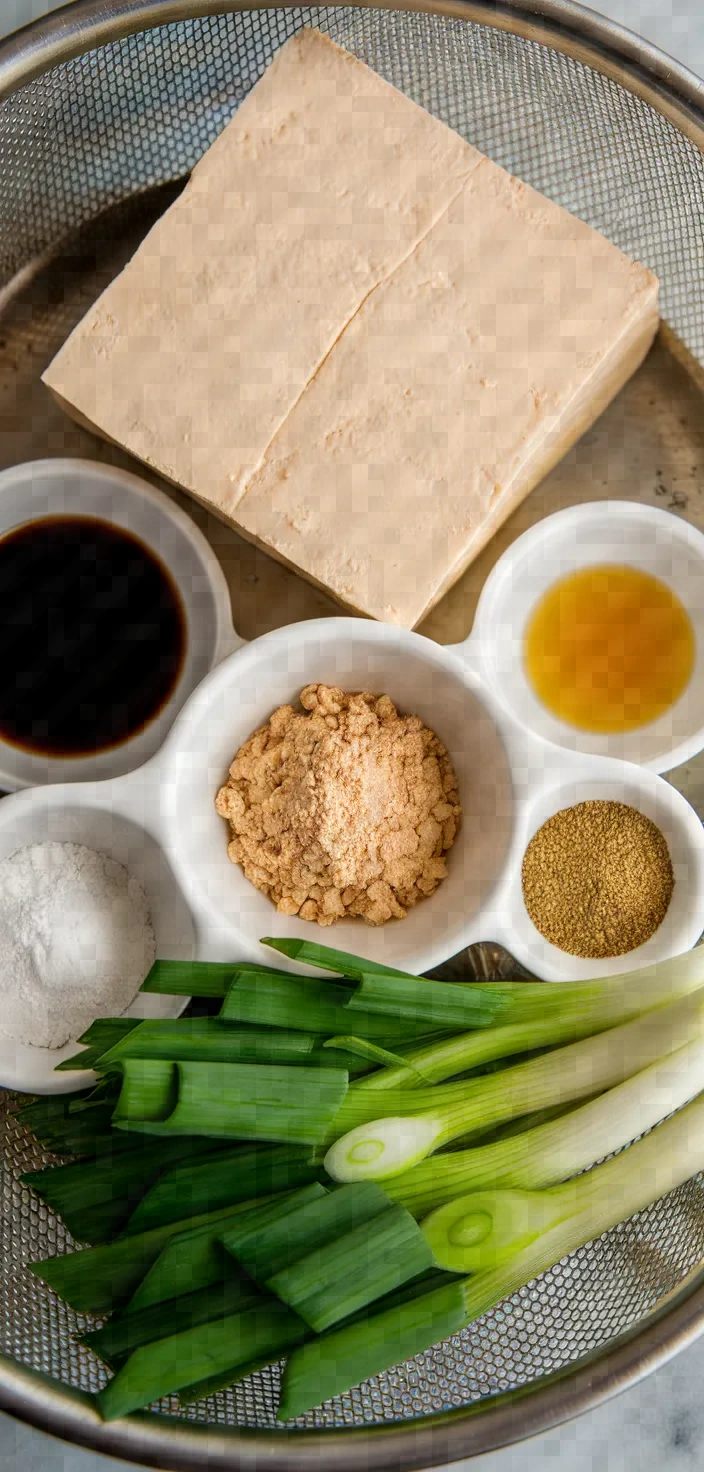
x=189, y=978
x=206, y=1040
x=363, y=1048
x=256, y=1101
x=120, y=1336
x=354, y=1267
x=98, y=1280
x=308, y=1005
x=309, y=953
x=553, y=1150
x=331, y=1363
x=225, y=1178
x=423, y=1120
x=95, y=1197
x=263, y=1332
x=148, y=1094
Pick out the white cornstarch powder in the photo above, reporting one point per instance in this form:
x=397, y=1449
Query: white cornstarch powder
x=76, y=941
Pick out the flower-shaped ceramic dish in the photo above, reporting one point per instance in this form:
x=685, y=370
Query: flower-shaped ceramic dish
x=511, y=780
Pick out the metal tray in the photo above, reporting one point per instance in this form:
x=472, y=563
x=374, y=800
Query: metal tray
x=607, y=1315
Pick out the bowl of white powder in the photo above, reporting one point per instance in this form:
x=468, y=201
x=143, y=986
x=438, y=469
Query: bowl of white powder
x=87, y=900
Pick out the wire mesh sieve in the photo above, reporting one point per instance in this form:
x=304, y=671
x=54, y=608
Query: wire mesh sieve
x=128, y=114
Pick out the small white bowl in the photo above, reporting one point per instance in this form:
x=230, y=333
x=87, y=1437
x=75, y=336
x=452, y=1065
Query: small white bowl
x=43, y=488
x=623, y=532
x=87, y=813
x=423, y=679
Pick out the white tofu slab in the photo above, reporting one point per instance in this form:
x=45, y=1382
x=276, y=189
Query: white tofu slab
x=356, y=339
x=461, y=381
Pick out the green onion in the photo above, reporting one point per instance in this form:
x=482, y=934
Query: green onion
x=191, y=1260
x=189, y=978
x=308, y=953
x=260, y=1333
x=414, y=999
x=553, y=1151
x=148, y=1094
x=331, y=1363
x=205, y=1040
x=424, y=1120
x=308, y=1005
x=195, y=1257
x=265, y=1240
x=95, y=1197
x=102, y=1034
x=362, y=1048
x=98, y=1280
x=519, y=1234
x=118, y=1338
x=57, y=1126
x=589, y=1004
x=355, y=1267
x=229, y=1176
x=255, y=1101
x=433, y=1062
x=573, y=1215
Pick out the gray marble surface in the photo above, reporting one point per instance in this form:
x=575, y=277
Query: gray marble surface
x=658, y=1425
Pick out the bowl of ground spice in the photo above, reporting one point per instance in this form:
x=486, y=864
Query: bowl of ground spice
x=598, y=879
x=610, y=875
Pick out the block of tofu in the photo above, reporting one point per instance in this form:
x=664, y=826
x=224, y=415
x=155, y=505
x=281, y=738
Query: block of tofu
x=317, y=189
x=459, y=384
x=355, y=338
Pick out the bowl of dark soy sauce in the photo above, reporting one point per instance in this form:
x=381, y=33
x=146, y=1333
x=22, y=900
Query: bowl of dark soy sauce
x=113, y=607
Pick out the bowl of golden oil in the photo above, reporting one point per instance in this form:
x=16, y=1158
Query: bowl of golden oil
x=591, y=631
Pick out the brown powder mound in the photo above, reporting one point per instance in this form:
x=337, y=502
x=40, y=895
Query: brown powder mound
x=346, y=810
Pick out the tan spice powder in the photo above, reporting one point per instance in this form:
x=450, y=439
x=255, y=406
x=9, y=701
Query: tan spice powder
x=597, y=879
x=345, y=810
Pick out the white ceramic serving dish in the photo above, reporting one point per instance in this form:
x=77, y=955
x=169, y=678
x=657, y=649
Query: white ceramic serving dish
x=596, y=532
x=161, y=819
x=86, y=488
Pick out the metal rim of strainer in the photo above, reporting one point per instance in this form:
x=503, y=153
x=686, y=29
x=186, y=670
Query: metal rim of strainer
x=678, y=1321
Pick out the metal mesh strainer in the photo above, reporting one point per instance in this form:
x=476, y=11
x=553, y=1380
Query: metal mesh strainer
x=93, y=115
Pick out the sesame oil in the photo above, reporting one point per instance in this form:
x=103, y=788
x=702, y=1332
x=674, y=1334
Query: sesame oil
x=609, y=648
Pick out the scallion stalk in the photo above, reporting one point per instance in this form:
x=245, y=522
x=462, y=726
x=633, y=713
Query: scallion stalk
x=309, y=953
x=354, y=1267
x=101, y=1035
x=551, y=1152
x=573, y=1214
x=424, y=1120
x=117, y=1339
x=593, y=1004
x=148, y=1094
x=99, y=1280
x=223, y=1179
x=95, y=1197
x=256, y=1101
x=519, y=1234
x=331, y=1363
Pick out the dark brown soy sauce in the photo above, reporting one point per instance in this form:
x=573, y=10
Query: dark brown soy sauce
x=92, y=636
